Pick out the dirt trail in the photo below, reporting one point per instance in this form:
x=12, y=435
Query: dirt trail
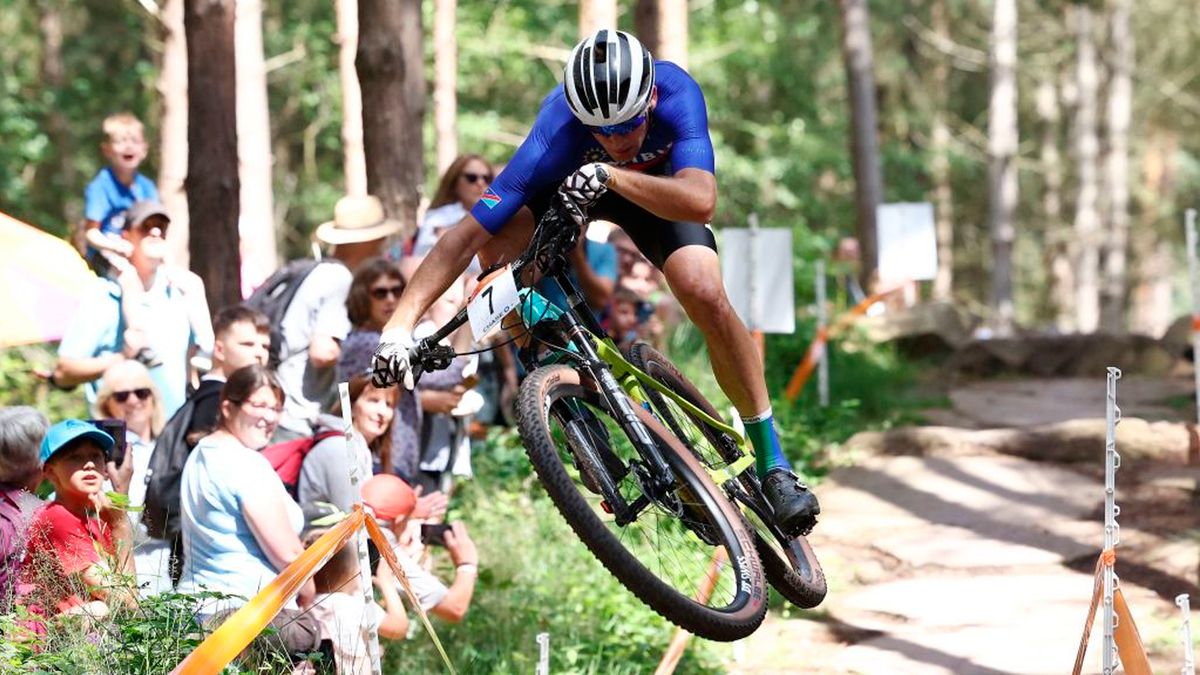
x=980, y=562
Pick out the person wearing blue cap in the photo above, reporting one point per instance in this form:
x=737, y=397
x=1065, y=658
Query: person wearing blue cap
x=80, y=544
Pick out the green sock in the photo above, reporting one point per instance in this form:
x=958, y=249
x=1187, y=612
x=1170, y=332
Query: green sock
x=768, y=454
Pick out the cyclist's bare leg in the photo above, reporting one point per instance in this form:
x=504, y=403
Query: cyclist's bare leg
x=694, y=275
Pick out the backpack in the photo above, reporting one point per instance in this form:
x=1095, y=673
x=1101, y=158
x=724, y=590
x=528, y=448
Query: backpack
x=287, y=457
x=274, y=297
x=171, y=450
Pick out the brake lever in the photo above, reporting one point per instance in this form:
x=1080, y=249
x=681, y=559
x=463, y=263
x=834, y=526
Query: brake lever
x=428, y=356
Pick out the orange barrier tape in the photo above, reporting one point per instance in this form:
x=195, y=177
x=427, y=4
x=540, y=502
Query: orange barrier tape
x=240, y=629
x=674, y=653
x=389, y=555
x=1129, y=642
x=817, y=348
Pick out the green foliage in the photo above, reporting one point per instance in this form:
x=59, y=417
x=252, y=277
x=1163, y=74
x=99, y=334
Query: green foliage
x=869, y=389
x=159, y=633
x=536, y=576
x=19, y=385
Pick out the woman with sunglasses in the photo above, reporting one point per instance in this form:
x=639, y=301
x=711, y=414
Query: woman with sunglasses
x=240, y=526
x=459, y=189
x=127, y=393
x=373, y=295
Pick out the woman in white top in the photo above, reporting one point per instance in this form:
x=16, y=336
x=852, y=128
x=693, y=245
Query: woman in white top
x=240, y=527
x=461, y=186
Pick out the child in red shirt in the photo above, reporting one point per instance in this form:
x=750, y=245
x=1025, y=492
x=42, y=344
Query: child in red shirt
x=80, y=545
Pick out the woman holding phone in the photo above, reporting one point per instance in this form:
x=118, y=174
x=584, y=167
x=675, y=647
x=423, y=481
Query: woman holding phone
x=128, y=395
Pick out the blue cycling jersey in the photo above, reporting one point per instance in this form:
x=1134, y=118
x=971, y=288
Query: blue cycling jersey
x=558, y=144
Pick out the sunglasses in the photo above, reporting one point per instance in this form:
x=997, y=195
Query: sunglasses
x=386, y=292
x=142, y=393
x=476, y=177
x=622, y=128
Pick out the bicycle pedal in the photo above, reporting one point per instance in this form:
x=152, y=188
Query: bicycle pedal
x=604, y=505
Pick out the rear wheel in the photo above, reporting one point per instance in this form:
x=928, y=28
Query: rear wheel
x=664, y=552
x=790, y=564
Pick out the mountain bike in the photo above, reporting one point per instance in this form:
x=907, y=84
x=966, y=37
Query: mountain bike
x=643, y=470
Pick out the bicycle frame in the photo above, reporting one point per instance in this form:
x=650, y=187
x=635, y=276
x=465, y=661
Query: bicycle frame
x=583, y=330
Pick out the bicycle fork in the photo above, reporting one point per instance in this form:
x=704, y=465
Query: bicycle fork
x=619, y=403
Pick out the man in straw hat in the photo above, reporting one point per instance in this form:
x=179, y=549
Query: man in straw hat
x=315, y=321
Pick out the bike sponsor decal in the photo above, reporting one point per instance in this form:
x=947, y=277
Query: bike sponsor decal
x=490, y=199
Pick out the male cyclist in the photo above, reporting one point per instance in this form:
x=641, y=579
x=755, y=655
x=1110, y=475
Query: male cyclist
x=639, y=128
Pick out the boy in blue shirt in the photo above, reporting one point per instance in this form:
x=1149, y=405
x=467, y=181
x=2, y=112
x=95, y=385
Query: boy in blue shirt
x=106, y=200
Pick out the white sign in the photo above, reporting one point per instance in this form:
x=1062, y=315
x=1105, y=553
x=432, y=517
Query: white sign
x=493, y=299
x=756, y=265
x=907, y=241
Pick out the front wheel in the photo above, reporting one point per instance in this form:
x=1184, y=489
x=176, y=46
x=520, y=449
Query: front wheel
x=791, y=565
x=668, y=546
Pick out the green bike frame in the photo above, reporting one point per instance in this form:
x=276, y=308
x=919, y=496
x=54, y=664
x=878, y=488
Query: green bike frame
x=634, y=380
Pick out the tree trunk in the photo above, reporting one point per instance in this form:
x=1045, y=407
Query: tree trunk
x=1087, y=147
x=1056, y=238
x=445, y=73
x=60, y=173
x=943, y=194
x=390, y=69
x=354, y=158
x=1002, y=148
x=173, y=131
x=596, y=14
x=645, y=24
x=662, y=25
x=212, y=173
x=257, y=206
x=1153, y=309
x=1120, y=103
x=860, y=80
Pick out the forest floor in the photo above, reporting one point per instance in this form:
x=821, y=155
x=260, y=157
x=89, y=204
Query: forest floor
x=980, y=562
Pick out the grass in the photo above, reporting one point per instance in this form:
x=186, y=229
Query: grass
x=535, y=575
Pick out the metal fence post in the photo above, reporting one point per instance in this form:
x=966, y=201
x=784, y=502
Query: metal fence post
x=1112, y=531
x=360, y=538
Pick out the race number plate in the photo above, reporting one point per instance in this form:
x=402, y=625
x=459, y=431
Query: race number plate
x=493, y=299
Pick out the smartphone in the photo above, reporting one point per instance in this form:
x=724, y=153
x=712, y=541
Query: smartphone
x=116, y=429
x=434, y=534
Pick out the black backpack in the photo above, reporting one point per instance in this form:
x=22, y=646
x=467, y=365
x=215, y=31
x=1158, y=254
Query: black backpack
x=171, y=450
x=274, y=296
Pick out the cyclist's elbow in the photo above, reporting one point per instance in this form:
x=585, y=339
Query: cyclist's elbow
x=706, y=208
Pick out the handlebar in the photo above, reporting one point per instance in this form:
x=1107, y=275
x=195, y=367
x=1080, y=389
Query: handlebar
x=554, y=236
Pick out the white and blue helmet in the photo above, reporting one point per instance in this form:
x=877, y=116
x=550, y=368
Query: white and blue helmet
x=608, y=78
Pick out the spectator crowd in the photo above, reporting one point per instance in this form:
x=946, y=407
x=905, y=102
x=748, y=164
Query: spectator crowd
x=217, y=450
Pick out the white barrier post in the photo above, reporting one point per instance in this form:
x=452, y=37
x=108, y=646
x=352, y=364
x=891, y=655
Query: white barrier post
x=543, y=666
x=1189, y=219
x=1112, y=531
x=823, y=364
x=364, y=561
x=1185, y=633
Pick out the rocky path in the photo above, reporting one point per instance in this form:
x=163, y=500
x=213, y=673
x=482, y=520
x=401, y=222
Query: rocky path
x=980, y=562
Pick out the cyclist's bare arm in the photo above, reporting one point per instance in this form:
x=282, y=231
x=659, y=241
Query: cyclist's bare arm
x=444, y=264
x=690, y=195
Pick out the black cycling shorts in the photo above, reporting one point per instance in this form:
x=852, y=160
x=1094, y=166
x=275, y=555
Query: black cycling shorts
x=657, y=238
